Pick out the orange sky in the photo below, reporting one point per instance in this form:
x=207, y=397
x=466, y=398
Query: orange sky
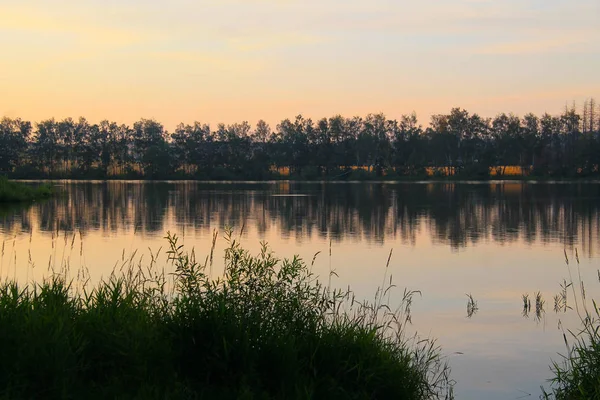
x=232, y=60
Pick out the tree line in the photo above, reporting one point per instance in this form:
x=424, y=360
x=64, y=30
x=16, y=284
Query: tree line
x=466, y=144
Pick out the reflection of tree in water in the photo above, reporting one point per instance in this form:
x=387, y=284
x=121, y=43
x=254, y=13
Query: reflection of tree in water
x=454, y=214
x=506, y=212
x=15, y=218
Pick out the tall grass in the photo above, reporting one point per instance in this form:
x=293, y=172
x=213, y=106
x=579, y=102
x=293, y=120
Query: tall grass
x=266, y=329
x=472, y=307
x=15, y=192
x=526, y=305
x=578, y=375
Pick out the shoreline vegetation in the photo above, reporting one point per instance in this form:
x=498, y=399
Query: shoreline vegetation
x=457, y=145
x=12, y=192
x=267, y=329
x=349, y=179
x=577, y=376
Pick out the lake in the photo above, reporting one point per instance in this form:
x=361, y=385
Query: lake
x=495, y=241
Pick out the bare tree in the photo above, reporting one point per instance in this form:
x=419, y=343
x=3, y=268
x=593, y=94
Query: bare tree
x=592, y=115
x=585, y=118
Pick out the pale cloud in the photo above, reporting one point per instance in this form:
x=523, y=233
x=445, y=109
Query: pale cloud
x=270, y=41
x=29, y=19
x=536, y=46
x=202, y=62
x=538, y=42
x=249, y=59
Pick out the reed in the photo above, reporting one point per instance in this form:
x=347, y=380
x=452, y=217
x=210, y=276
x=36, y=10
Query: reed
x=577, y=376
x=560, y=300
x=472, y=307
x=265, y=329
x=526, y=305
x=539, y=306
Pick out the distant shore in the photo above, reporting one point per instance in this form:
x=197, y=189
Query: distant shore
x=457, y=145
x=299, y=178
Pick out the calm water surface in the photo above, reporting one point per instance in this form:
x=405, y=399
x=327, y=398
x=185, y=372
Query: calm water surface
x=495, y=241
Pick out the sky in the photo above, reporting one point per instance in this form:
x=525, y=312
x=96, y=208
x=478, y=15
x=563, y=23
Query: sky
x=244, y=60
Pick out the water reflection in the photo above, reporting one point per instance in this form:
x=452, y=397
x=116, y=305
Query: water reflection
x=494, y=241
x=456, y=215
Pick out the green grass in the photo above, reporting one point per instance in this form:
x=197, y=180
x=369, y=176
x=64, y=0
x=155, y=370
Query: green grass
x=577, y=377
x=267, y=329
x=17, y=192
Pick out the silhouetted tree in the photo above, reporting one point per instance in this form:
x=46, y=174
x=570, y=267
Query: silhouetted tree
x=14, y=136
x=472, y=146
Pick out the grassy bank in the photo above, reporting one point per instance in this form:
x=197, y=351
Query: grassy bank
x=266, y=330
x=16, y=192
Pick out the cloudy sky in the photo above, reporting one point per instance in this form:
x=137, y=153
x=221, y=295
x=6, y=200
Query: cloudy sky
x=234, y=60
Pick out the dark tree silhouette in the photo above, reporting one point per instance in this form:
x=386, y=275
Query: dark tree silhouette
x=458, y=143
